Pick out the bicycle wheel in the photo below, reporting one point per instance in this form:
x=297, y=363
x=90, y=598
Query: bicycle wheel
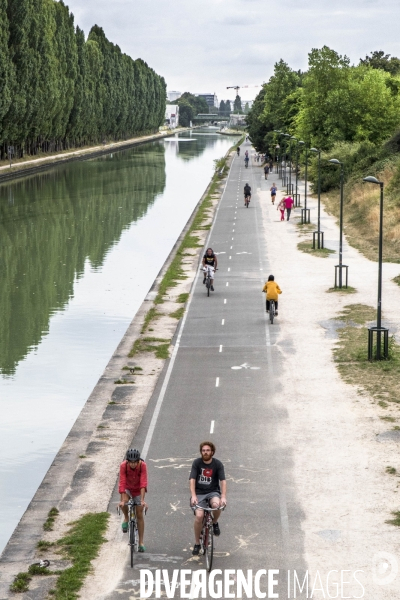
x=209, y=547
x=271, y=311
x=132, y=538
x=208, y=285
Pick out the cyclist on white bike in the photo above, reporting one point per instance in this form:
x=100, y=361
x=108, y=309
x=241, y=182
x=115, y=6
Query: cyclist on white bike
x=210, y=263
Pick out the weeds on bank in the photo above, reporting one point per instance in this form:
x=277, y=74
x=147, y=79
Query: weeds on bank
x=81, y=545
x=396, y=520
x=178, y=314
x=308, y=249
x=396, y=279
x=159, y=346
x=51, y=517
x=151, y=315
x=381, y=379
x=182, y=298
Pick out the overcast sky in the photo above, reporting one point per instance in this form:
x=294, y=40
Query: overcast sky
x=209, y=45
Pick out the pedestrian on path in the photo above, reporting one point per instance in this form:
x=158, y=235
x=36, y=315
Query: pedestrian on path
x=281, y=206
x=133, y=477
x=271, y=290
x=289, y=205
x=273, y=191
x=266, y=171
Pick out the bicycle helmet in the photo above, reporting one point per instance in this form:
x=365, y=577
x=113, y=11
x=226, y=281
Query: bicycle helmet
x=271, y=278
x=133, y=455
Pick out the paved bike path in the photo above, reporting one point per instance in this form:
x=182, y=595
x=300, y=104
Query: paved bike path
x=261, y=527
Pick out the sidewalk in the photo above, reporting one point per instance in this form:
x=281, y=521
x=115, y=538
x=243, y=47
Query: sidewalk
x=339, y=464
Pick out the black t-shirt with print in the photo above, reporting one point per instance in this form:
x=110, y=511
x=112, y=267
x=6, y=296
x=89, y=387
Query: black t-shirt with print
x=209, y=260
x=207, y=476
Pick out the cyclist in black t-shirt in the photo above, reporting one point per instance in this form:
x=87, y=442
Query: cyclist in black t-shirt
x=207, y=488
x=210, y=260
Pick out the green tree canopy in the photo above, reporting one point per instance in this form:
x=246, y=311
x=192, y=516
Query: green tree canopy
x=379, y=60
x=222, y=107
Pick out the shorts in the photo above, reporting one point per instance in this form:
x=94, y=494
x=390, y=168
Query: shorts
x=202, y=499
x=212, y=270
x=137, y=500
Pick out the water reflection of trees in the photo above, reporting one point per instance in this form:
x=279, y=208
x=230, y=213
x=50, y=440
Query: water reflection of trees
x=52, y=223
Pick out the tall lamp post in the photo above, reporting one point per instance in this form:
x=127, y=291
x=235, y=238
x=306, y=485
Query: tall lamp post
x=319, y=235
x=289, y=189
x=279, y=157
x=284, y=178
x=339, y=268
x=378, y=329
x=296, y=194
x=305, y=212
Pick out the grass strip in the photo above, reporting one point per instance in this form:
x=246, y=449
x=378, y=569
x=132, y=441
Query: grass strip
x=342, y=290
x=21, y=583
x=308, y=249
x=151, y=344
x=396, y=279
x=81, y=545
x=380, y=379
x=182, y=298
x=150, y=316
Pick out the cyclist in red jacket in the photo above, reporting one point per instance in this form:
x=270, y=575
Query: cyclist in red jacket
x=133, y=477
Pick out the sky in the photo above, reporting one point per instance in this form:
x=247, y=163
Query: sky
x=209, y=45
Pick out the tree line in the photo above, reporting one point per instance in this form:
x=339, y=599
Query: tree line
x=60, y=90
x=343, y=109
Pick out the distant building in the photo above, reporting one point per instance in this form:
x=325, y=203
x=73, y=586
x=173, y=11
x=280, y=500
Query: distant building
x=172, y=115
x=211, y=100
x=236, y=120
x=173, y=95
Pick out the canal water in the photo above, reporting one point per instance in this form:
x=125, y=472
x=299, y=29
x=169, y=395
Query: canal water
x=80, y=246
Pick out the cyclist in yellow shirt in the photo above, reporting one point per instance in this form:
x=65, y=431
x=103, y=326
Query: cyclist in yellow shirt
x=272, y=290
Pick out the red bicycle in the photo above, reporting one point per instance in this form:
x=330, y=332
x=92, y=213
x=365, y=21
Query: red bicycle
x=207, y=534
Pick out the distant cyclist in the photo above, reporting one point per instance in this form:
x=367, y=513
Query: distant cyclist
x=246, y=161
x=133, y=477
x=207, y=488
x=247, y=193
x=210, y=261
x=238, y=150
x=247, y=153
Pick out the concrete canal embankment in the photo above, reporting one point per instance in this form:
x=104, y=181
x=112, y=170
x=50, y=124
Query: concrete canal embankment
x=35, y=165
x=82, y=476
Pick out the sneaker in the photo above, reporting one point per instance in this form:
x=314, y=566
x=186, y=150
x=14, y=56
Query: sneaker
x=196, y=550
x=276, y=313
x=217, y=530
x=125, y=527
x=212, y=288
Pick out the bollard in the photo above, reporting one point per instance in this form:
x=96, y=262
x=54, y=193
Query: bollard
x=379, y=355
x=319, y=236
x=305, y=216
x=339, y=276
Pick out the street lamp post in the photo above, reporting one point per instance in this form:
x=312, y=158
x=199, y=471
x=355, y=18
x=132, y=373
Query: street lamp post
x=279, y=154
x=296, y=194
x=305, y=212
x=289, y=187
x=284, y=177
x=319, y=235
x=339, y=268
x=378, y=329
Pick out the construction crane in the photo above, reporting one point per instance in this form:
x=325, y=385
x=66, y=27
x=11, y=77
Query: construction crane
x=238, y=87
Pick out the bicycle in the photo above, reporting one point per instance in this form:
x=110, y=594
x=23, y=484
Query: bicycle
x=246, y=163
x=207, y=534
x=209, y=275
x=133, y=539
x=247, y=199
x=271, y=310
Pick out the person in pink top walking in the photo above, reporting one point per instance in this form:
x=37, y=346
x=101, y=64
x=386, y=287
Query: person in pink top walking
x=282, y=206
x=288, y=205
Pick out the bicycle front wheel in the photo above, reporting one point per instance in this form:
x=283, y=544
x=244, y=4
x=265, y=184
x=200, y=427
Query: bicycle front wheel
x=209, y=548
x=132, y=538
x=208, y=285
